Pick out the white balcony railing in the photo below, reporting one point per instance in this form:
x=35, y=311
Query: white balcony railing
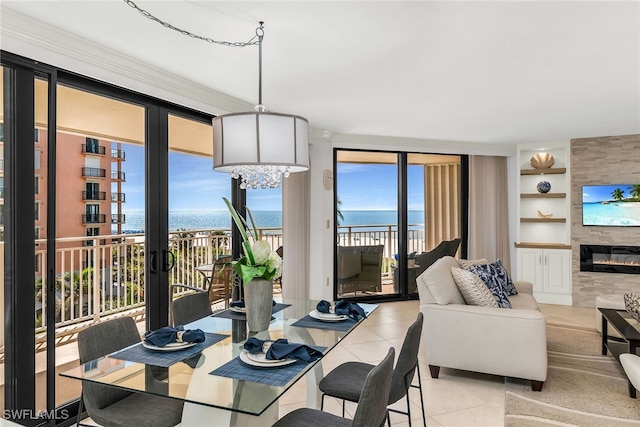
x=104, y=275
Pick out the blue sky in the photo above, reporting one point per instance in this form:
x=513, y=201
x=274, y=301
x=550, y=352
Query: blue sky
x=598, y=193
x=195, y=186
x=375, y=186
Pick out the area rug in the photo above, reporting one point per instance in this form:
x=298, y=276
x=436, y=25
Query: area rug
x=583, y=388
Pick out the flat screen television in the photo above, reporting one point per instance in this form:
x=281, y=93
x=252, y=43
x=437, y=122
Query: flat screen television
x=616, y=205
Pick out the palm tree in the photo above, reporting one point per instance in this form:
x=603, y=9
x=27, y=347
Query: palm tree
x=339, y=211
x=635, y=191
x=617, y=194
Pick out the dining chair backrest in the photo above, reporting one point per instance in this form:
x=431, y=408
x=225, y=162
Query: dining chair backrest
x=407, y=361
x=100, y=340
x=190, y=307
x=372, y=406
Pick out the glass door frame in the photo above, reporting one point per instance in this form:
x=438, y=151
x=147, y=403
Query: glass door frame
x=19, y=78
x=403, y=220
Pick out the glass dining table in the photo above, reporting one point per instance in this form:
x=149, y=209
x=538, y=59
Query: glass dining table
x=218, y=384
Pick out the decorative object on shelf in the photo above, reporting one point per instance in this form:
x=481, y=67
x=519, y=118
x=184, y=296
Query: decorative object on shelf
x=542, y=161
x=544, y=187
x=632, y=305
x=541, y=215
x=258, y=267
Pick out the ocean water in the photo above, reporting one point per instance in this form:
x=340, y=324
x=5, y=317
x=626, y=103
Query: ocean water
x=613, y=213
x=188, y=220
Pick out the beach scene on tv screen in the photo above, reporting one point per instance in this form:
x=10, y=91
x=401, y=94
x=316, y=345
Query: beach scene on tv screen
x=615, y=205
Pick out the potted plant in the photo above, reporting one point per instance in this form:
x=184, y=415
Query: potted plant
x=411, y=260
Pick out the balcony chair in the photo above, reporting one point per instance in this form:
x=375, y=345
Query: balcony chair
x=346, y=381
x=219, y=283
x=372, y=407
x=190, y=307
x=110, y=406
x=360, y=269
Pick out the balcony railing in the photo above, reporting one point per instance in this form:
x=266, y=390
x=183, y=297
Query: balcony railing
x=117, y=197
x=93, y=149
x=117, y=154
x=117, y=219
x=107, y=277
x=94, y=195
x=117, y=175
x=94, y=218
x=94, y=172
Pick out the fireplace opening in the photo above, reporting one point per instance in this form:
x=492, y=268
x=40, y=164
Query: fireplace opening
x=610, y=259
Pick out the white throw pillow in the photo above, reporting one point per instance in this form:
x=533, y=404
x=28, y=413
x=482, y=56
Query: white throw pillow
x=438, y=280
x=472, y=288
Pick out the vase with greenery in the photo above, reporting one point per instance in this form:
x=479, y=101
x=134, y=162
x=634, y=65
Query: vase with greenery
x=258, y=266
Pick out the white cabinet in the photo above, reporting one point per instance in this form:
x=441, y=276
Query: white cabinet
x=550, y=272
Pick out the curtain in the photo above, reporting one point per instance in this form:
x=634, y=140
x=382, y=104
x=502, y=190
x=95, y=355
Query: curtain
x=442, y=203
x=295, y=236
x=488, y=209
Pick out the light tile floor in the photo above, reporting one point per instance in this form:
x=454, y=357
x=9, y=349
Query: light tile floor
x=456, y=398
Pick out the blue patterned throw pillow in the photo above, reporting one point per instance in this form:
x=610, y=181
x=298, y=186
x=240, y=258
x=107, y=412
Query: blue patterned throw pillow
x=490, y=276
x=507, y=284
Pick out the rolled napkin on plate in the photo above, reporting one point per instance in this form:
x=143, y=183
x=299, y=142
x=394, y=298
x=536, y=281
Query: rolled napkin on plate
x=350, y=309
x=324, y=306
x=282, y=349
x=166, y=335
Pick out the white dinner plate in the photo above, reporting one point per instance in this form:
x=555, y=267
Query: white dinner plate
x=172, y=346
x=328, y=317
x=259, y=359
x=238, y=309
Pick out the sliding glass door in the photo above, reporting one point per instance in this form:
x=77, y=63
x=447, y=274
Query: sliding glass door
x=84, y=174
x=392, y=211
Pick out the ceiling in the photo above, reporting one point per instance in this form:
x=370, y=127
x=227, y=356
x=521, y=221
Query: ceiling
x=472, y=72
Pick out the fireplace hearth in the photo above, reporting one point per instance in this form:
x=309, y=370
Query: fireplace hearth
x=610, y=259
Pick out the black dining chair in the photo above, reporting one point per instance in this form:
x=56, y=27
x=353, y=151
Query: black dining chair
x=346, y=381
x=111, y=406
x=190, y=307
x=372, y=407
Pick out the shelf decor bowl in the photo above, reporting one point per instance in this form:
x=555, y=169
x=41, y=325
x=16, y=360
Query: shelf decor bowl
x=632, y=305
x=542, y=161
x=544, y=187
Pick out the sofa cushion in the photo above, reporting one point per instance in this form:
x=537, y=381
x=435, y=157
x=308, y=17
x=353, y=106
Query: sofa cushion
x=487, y=273
x=439, y=281
x=472, y=288
x=497, y=269
x=524, y=301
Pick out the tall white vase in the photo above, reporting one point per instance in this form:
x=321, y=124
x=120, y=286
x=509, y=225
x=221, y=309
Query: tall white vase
x=258, y=300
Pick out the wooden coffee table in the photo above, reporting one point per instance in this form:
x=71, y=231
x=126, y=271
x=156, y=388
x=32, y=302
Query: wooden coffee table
x=631, y=336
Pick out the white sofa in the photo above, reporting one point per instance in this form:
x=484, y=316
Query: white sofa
x=500, y=341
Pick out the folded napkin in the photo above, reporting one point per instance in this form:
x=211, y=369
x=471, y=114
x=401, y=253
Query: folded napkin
x=240, y=303
x=282, y=349
x=350, y=309
x=323, y=306
x=166, y=335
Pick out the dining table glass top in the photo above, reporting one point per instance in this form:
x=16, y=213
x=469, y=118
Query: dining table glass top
x=191, y=380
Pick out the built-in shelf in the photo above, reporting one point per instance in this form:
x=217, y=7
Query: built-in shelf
x=549, y=171
x=529, y=245
x=543, y=220
x=543, y=195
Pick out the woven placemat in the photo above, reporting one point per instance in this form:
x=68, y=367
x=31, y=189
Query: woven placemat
x=234, y=315
x=139, y=353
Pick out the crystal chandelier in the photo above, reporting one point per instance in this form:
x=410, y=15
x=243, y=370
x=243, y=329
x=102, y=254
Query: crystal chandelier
x=259, y=147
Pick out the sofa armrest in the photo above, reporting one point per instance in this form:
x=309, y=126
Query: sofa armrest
x=523, y=287
x=499, y=341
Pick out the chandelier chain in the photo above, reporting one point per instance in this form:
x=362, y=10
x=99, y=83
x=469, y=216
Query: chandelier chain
x=147, y=14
